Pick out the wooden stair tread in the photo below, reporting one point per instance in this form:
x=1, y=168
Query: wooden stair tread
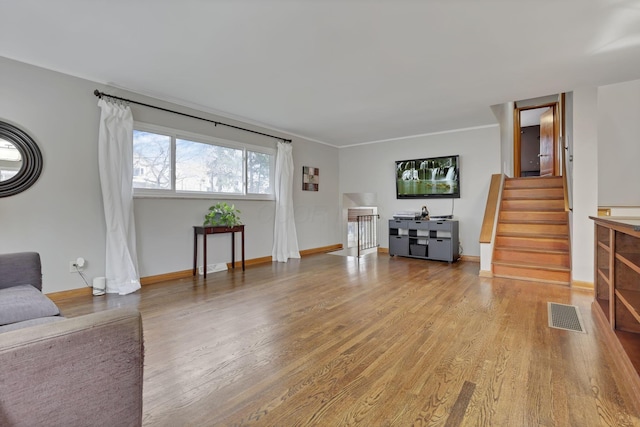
x=532, y=265
x=533, y=250
x=525, y=197
x=558, y=281
x=534, y=221
x=534, y=235
x=529, y=210
x=509, y=186
x=534, y=180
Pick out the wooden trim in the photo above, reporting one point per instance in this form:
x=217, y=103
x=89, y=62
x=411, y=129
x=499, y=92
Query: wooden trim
x=517, y=150
x=306, y=252
x=485, y=273
x=579, y=284
x=604, y=212
x=565, y=186
x=254, y=261
x=383, y=250
x=322, y=249
x=72, y=293
x=491, y=209
x=183, y=274
x=563, y=152
x=556, y=139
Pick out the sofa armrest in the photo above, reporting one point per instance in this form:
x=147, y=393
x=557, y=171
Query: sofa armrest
x=20, y=268
x=85, y=370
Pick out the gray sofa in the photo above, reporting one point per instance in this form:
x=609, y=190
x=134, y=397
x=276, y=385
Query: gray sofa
x=78, y=371
x=22, y=303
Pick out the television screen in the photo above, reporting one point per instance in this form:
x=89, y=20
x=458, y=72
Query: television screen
x=428, y=177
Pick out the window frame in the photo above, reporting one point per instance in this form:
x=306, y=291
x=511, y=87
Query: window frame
x=173, y=193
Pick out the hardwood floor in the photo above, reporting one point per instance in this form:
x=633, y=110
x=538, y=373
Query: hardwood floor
x=330, y=340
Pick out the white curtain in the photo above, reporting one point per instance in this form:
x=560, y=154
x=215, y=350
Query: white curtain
x=285, y=239
x=115, y=162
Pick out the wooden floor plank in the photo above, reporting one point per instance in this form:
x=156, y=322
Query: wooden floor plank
x=330, y=340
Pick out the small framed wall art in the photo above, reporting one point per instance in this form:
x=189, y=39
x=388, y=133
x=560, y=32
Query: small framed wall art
x=310, y=178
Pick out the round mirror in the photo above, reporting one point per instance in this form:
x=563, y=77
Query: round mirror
x=20, y=160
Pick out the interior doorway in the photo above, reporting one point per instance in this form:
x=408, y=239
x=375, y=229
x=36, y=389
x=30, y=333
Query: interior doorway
x=536, y=135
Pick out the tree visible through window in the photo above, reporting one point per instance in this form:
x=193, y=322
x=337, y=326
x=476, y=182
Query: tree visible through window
x=210, y=168
x=151, y=160
x=258, y=173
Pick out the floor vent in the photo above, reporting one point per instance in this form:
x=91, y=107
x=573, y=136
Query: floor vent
x=563, y=316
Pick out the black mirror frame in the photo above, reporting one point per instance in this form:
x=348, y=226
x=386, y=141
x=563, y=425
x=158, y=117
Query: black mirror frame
x=31, y=160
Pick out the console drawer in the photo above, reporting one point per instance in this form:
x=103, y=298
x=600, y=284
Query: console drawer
x=440, y=225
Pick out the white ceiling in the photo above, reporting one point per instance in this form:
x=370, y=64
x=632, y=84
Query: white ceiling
x=341, y=72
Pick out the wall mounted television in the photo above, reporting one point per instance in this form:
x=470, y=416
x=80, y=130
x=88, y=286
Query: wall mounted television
x=428, y=177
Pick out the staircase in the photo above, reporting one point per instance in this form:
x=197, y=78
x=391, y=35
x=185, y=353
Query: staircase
x=532, y=236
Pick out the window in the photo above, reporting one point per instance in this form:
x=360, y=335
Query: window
x=259, y=170
x=151, y=160
x=169, y=163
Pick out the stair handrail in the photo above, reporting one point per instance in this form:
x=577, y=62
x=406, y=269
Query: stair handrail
x=491, y=208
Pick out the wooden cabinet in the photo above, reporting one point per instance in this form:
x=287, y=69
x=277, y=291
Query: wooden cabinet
x=617, y=290
x=429, y=239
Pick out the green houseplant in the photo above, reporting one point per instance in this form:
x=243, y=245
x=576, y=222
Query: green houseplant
x=222, y=214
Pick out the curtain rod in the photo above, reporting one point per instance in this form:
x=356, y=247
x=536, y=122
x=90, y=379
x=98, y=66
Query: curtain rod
x=101, y=94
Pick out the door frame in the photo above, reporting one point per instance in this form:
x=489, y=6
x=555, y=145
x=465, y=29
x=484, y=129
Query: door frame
x=517, y=147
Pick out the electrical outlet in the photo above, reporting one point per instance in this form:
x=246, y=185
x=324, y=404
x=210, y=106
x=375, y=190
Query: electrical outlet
x=74, y=267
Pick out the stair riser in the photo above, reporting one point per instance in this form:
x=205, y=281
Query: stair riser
x=533, y=216
x=534, y=229
x=541, y=258
x=532, y=274
x=532, y=205
x=533, y=193
x=532, y=243
x=533, y=182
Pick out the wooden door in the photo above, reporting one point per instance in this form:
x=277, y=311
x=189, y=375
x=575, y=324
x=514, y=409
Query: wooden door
x=547, y=144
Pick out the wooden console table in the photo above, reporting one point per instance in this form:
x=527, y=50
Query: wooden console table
x=206, y=230
x=616, y=304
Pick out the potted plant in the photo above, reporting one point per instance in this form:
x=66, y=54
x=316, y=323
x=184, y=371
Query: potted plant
x=222, y=214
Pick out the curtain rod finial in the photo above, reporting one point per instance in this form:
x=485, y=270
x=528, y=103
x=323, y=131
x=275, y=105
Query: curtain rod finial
x=97, y=93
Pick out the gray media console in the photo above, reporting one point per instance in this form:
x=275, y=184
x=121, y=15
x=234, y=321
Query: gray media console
x=427, y=239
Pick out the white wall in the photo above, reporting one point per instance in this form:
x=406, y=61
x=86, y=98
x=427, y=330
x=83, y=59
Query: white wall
x=61, y=216
x=619, y=144
x=504, y=116
x=585, y=181
x=370, y=168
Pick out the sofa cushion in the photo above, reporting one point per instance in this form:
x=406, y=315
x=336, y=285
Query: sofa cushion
x=24, y=302
x=31, y=322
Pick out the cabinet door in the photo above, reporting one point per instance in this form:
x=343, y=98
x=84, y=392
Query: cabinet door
x=399, y=245
x=440, y=249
